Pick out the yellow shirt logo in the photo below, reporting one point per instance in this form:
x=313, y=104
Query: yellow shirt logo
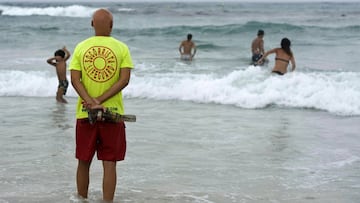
x=100, y=63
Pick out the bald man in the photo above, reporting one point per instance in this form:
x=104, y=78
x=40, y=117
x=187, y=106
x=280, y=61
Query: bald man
x=100, y=70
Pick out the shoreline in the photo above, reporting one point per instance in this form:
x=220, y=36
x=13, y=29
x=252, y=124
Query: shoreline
x=182, y=151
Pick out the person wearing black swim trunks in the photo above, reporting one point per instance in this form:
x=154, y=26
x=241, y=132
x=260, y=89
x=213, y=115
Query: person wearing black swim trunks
x=283, y=56
x=257, y=46
x=59, y=62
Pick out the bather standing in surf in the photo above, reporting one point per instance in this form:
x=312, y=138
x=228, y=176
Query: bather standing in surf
x=283, y=56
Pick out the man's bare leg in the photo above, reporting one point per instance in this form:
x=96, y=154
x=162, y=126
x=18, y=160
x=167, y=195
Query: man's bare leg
x=109, y=180
x=82, y=178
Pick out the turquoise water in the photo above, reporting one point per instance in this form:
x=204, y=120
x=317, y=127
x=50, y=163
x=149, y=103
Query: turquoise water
x=324, y=36
x=213, y=130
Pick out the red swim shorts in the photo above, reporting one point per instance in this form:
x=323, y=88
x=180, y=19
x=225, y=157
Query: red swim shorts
x=105, y=138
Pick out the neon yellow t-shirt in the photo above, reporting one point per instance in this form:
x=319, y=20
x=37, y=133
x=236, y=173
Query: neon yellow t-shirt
x=100, y=58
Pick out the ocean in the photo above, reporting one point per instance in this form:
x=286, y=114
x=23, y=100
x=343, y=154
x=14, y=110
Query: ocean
x=214, y=130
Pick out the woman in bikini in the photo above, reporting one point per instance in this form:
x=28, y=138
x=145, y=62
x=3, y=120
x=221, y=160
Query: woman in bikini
x=283, y=56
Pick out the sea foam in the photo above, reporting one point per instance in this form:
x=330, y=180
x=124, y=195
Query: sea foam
x=68, y=11
x=252, y=87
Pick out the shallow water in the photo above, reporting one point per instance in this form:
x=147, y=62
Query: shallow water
x=186, y=152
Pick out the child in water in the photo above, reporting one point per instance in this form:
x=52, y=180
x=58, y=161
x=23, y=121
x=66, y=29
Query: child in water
x=59, y=62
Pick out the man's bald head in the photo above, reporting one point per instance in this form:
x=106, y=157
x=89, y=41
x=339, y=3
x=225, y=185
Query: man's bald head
x=102, y=22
